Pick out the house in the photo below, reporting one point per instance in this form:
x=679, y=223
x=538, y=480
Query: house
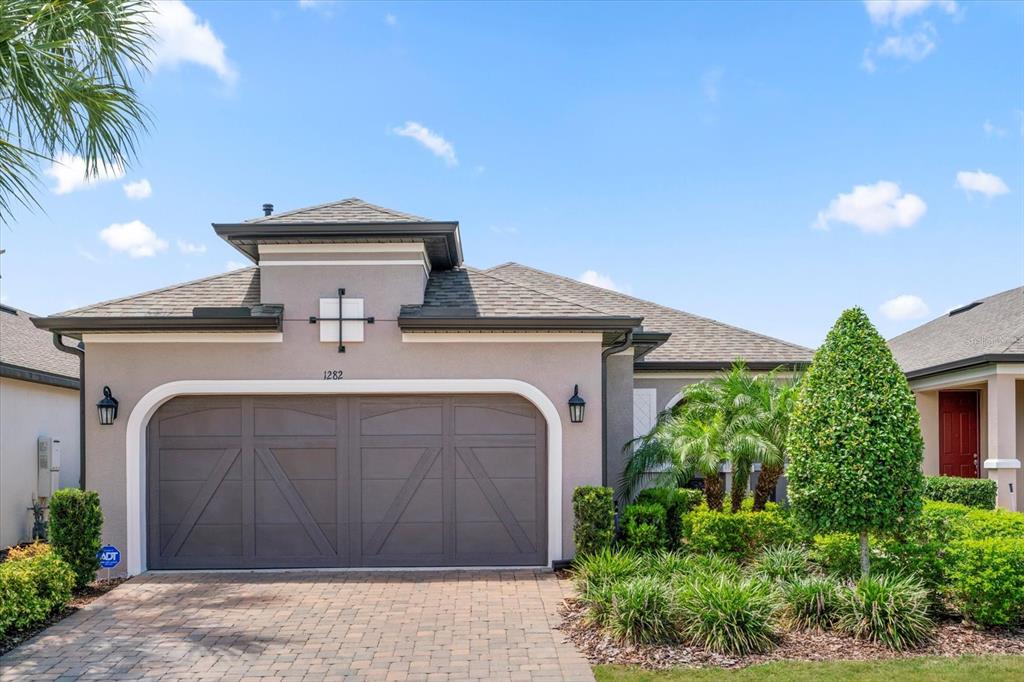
x=39, y=399
x=966, y=369
x=361, y=397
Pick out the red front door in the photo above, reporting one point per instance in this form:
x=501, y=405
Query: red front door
x=959, y=446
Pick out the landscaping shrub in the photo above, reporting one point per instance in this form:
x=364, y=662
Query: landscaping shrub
x=591, y=571
x=711, y=567
x=837, y=554
x=644, y=527
x=740, y=535
x=785, y=562
x=27, y=551
x=594, y=513
x=810, y=603
x=31, y=588
x=726, y=615
x=674, y=566
x=76, y=522
x=676, y=501
x=980, y=524
x=972, y=492
x=667, y=565
x=986, y=579
x=890, y=609
x=642, y=611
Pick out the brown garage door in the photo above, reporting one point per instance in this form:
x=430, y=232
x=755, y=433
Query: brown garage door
x=308, y=481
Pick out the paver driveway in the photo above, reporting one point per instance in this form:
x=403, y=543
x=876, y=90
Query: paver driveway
x=312, y=625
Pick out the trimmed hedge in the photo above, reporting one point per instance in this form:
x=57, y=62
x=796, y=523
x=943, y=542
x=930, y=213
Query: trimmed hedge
x=741, y=535
x=76, y=524
x=986, y=580
x=645, y=527
x=32, y=586
x=972, y=492
x=594, y=513
x=676, y=501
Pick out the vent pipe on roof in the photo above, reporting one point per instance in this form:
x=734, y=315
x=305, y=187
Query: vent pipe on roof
x=268, y=209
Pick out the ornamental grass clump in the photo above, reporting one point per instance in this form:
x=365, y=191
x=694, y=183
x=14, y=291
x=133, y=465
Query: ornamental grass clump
x=642, y=611
x=890, y=609
x=726, y=615
x=810, y=603
x=787, y=562
x=595, y=574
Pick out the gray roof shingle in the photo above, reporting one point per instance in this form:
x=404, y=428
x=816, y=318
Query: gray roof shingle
x=228, y=289
x=23, y=345
x=694, y=338
x=993, y=327
x=351, y=210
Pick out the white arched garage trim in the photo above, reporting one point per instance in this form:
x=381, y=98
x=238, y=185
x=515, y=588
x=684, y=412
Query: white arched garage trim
x=135, y=451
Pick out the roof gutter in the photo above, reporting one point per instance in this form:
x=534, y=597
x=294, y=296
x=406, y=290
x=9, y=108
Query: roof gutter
x=58, y=343
x=269, y=320
x=600, y=323
x=696, y=366
x=626, y=343
x=965, y=363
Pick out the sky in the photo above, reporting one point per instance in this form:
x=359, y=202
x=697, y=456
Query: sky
x=763, y=164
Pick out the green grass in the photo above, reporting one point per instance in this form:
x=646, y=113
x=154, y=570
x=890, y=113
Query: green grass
x=965, y=668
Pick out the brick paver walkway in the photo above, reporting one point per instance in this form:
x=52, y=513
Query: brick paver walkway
x=444, y=625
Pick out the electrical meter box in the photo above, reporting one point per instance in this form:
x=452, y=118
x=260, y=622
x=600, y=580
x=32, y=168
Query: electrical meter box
x=48, y=454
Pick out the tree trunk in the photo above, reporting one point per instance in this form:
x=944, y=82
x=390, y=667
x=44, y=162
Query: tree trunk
x=740, y=483
x=765, y=485
x=865, y=555
x=714, y=491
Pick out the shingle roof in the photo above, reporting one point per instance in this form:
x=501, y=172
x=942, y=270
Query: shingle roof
x=351, y=210
x=995, y=326
x=22, y=345
x=694, y=338
x=235, y=288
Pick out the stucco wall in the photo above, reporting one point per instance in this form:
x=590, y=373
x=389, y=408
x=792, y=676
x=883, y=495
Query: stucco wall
x=1019, y=404
x=29, y=410
x=620, y=413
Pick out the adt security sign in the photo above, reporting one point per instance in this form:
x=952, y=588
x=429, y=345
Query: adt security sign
x=109, y=556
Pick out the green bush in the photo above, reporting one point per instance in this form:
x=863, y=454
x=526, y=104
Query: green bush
x=810, y=603
x=607, y=566
x=674, y=566
x=855, y=442
x=676, y=501
x=785, y=562
x=644, y=527
x=972, y=492
x=594, y=512
x=837, y=554
x=642, y=611
x=727, y=616
x=890, y=609
x=996, y=523
x=740, y=535
x=76, y=524
x=31, y=588
x=986, y=579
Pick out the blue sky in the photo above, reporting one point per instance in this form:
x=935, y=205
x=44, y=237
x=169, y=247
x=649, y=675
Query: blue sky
x=767, y=165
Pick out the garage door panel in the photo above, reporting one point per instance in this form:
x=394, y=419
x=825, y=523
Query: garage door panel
x=225, y=506
x=212, y=541
x=191, y=465
x=295, y=417
x=381, y=495
x=307, y=463
x=400, y=417
x=284, y=539
x=487, y=420
x=490, y=538
x=224, y=421
x=320, y=498
x=505, y=462
x=410, y=540
x=396, y=463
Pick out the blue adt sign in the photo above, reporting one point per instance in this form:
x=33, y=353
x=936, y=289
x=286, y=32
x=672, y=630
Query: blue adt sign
x=109, y=556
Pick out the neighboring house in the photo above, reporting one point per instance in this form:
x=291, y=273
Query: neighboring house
x=441, y=436
x=38, y=398
x=966, y=369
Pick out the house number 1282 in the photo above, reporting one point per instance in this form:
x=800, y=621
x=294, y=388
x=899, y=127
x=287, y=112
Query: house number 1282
x=332, y=374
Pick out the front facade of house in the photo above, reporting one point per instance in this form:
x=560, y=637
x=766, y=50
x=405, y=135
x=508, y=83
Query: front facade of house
x=440, y=436
x=966, y=369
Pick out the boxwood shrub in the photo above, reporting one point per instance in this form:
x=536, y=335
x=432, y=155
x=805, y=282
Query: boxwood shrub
x=986, y=579
x=972, y=492
x=594, y=519
x=76, y=524
x=676, y=501
x=740, y=535
x=32, y=586
x=645, y=527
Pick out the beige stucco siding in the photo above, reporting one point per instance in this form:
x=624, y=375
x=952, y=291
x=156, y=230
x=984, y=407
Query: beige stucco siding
x=29, y=410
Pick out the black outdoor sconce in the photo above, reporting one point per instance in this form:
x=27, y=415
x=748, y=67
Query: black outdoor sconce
x=107, y=408
x=577, y=405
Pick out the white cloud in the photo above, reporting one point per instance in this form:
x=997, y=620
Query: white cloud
x=235, y=265
x=710, y=83
x=89, y=256
x=874, y=208
x=981, y=182
x=70, y=173
x=390, y=19
x=179, y=37
x=190, y=248
x=138, y=190
x=913, y=47
x=893, y=12
x=905, y=307
x=992, y=130
x=135, y=238
x=596, y=279
x=437, y=145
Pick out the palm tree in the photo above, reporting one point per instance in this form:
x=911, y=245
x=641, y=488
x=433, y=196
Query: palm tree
x=775, y=400
x=66, y=73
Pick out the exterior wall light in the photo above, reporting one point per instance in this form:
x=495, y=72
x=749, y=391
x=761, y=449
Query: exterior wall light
x=107, y=408
x=577, y=406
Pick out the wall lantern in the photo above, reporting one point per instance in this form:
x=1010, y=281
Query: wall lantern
x=107, y=407
x=576, y=406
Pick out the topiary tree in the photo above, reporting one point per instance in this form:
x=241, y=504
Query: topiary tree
x=76, y=525
x=855, y=442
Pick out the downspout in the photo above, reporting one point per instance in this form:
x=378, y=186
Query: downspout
x=58, y=343
x=611, y=350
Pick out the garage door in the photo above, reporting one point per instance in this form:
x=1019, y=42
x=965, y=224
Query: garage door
x=311, y=481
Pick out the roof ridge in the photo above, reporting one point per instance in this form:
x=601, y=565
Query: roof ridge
x=544, y=293
x=171, y=287
x=657, y=305
x=946, y=315
x=383, y=209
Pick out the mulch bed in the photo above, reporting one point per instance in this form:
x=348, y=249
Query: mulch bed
x=951, y=639
x=79, y=599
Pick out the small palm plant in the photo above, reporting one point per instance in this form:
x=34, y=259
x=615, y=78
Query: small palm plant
x=775, y=400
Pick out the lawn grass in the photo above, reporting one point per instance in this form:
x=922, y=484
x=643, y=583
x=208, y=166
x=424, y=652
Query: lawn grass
x=965, y=668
